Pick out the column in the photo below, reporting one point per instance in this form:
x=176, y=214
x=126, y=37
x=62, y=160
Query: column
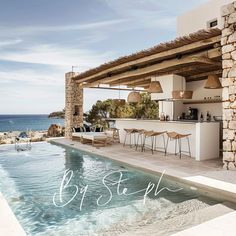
x=228, y=42
x=73, y=104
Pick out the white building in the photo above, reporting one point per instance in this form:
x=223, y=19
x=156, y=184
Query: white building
x=205, y=16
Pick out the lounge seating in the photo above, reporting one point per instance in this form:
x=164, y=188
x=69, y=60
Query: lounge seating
x=94, y=138
x=77, y=132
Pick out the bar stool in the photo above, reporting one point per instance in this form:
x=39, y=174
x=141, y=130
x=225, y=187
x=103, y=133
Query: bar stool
x=140, y=138
x=153, y=135
x=177, y=138
x=130, y=133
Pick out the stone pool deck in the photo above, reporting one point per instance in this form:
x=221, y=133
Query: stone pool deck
x=206, y=176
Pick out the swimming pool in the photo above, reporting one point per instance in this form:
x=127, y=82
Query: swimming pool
x=55, y=190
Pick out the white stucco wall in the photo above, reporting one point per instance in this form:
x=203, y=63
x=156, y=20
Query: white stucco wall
x=199, y=17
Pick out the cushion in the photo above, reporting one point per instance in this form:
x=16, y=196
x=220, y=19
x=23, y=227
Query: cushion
x=79, y=129
x=87, y=128
x=99, y=129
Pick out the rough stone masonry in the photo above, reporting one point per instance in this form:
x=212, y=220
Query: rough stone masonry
x=73, y=104
x=228, y=43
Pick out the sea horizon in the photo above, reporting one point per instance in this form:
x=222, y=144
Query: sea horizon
x=24, y=122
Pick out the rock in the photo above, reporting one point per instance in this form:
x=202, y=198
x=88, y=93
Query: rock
x=228, y=156
x=225, y=73
x=223, y=41
x=233, y=146
x=232, y=125
x=226, y=105
x=227, y=9
x=228, y=134
x=232, y=89
x=232, y=72
x=54, y=130
x=225, y=94
x=231, y=166
x=227, y=82
x=225, y=124
x=227, y=31
x=233, y=55
x=232, y=38
x=233, y=106
x=232, y=98
x=228, y=114
x=226, y=56
x=227, y=63
x=228, y=48
x=232, y=18
x=227, y=145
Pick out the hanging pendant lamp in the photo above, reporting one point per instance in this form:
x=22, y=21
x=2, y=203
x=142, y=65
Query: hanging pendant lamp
x=134, y=97
x=155, y=87
x=182, y=94
x=119, y=102
x=213, y=82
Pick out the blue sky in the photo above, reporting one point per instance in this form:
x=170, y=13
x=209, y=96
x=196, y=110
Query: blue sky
x=41, y=39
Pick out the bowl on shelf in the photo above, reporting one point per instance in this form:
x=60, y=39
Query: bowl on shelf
x=217, y=118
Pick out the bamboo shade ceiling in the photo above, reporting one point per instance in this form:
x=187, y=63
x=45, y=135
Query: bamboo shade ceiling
x=194, y=56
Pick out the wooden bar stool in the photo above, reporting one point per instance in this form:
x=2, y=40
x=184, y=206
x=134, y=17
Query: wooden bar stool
x=153, y=135
x=140, y=138
x=173, y=136
x=129, y=133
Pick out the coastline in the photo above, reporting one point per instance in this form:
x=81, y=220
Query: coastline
x=9, y=137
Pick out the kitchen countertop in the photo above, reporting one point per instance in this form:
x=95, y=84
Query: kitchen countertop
x=171, y=121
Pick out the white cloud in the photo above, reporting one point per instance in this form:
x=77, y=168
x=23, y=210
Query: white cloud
x=50, y=54
x=29, y=30
x=10, y=42
x=32, y=77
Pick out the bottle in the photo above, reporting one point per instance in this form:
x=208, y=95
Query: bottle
x=208, y=116
x=201, y=117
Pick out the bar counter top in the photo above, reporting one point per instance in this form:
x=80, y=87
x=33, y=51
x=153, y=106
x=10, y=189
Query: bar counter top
x=170, y=121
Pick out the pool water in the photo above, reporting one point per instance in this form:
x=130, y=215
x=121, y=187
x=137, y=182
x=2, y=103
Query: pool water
x=91, y=200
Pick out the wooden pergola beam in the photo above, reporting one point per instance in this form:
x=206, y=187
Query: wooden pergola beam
x=206, y=60
x=153, y=69
x=202, y=75
x=175, y=71
x=117, y=89
x=158, y=56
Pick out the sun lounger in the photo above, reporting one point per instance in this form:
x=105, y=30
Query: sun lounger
x=94, y=138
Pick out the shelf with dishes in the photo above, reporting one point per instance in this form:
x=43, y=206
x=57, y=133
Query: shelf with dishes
x=203, y=101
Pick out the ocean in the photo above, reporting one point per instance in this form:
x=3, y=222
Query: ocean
x=24, y=122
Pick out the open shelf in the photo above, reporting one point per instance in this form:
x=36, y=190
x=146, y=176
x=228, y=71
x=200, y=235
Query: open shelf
x=205, y=101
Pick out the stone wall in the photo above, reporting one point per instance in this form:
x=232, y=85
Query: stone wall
x=228, y=42
x=73, y=104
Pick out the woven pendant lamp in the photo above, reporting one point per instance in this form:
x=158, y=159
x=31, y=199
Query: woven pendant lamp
x=155, y=87
x=213, y=82
x=182, y=94
x=119, y=102
x=134, y=97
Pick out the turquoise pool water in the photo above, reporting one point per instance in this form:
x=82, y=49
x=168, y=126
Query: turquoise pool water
x=31, y=182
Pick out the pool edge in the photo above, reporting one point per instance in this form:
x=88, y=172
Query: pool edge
x=9, y=225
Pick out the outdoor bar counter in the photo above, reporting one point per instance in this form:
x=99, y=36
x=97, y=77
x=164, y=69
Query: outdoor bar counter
x=204, y=138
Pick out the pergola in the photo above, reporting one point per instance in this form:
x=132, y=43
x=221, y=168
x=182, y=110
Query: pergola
x=194, y=57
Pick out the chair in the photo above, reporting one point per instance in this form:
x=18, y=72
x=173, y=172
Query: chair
x=153, y=136
x=140, y=137
x=177, y=137
x=130, y=133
